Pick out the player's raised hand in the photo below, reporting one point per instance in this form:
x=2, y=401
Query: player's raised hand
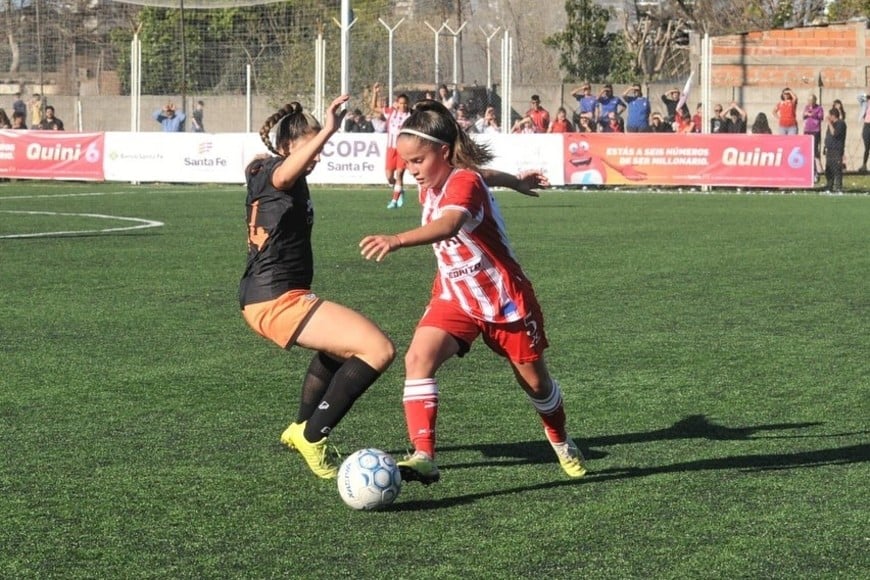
x=334, y=113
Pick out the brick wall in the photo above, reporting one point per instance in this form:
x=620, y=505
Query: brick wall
x=752, y=68
x=778, y=58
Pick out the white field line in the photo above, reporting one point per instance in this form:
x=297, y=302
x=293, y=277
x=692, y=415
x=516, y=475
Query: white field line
x=142, y=224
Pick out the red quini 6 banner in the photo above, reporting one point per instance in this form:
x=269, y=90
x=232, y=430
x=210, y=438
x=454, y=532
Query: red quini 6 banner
x=689, y=159
x=51, y=155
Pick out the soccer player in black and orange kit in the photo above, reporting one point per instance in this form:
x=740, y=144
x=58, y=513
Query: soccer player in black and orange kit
x=351, y=352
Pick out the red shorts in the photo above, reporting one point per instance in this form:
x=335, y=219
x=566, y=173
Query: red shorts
x=394, y=160
x=522, y=341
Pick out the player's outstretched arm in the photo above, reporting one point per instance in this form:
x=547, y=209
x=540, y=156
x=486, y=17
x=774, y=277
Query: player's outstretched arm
x=526, y=182
x=377, y=246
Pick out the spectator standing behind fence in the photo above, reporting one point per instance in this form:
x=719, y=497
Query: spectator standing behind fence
x=488, y=123
x=171, y=120
x=50, y=122
x=760, y=126
x=835, y=149
x=586, y=124
x=864, y=118
x=717, y=121
x=586, y=103
x=786, y=112
x=658, y=124
x=698, y=119
x=561, y=124
x=671, y=99
x=198, y=126
x=378, y=121
x=683, y=122
x=465, y=122
x=19, y=120
x=5, y=121
x=838, y=104
x=608, y=103
x=637, y=110
x=735, y=119
x=813, y=116
x=18, y=105
x=539, y=116
x=34, y=107
x=523, y=126
x=614, y=123
x=449, y=99
x=356, y=122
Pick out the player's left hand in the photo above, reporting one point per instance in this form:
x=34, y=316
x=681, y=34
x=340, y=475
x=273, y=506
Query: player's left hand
x=529, y=181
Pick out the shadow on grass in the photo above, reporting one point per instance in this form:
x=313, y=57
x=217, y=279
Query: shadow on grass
x=695, y=426
x=692, y=427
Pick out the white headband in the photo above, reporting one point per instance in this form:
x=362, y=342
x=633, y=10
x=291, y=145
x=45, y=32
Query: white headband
x=422, y=136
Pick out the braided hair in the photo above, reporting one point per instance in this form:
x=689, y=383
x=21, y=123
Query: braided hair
x=285, y=126
x=434, y=119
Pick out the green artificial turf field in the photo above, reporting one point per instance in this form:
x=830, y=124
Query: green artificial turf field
x=713, y=351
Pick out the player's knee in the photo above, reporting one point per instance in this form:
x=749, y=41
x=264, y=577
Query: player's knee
x=418, y=363
x=380, y=353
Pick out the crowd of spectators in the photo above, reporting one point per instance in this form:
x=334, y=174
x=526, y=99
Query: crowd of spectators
x=42, y=116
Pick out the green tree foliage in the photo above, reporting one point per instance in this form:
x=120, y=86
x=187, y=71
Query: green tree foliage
x=845, y=9
x=276, y=39
x=586, y=50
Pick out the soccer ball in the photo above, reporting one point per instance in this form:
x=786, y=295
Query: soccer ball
x=369, y=479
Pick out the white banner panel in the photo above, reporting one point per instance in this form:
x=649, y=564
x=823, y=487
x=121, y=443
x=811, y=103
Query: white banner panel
x=174, y=157
x=347, y=159
x=518, y=153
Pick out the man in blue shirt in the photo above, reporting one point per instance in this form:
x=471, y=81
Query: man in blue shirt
x=638, y=110
x=171, y=120
x=586, y=103
x=608, y=103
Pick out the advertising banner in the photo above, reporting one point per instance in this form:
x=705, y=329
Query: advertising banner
x=174, y=157
x=51, y=155
x=784, y=161
x=519, y=153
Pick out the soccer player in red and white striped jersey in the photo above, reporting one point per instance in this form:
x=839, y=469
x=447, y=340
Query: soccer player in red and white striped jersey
x=395, y=165
x=479, y=289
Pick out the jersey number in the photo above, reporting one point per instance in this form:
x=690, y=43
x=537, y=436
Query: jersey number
x=257, y=235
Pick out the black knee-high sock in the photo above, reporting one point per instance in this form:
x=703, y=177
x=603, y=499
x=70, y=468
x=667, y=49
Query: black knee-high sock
x=321, y=369
x=348, y=383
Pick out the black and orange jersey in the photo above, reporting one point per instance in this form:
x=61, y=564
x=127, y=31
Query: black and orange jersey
x=279, y=235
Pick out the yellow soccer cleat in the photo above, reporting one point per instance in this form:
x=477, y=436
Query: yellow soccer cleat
x=419, y=467
x=570, y=458
x=285, y=437
x=315, y=454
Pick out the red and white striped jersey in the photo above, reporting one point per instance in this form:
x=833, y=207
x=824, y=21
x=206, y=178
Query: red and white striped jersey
x=477, y=268
x=395, y=119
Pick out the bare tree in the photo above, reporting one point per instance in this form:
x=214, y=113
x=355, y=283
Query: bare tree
x=732, y=16
x=657, y=38
x=13, y=20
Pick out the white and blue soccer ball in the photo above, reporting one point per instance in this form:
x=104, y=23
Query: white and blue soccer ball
x=369, y=479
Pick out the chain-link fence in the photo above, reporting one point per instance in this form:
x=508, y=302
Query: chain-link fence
x=78, y=53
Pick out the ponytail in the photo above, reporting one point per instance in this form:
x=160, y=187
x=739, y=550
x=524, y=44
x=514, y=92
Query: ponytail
x=285, y=126
x=433, y=119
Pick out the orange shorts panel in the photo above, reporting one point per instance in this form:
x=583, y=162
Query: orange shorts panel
x=394, y=160
x=282, y=319
x=522, y=341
